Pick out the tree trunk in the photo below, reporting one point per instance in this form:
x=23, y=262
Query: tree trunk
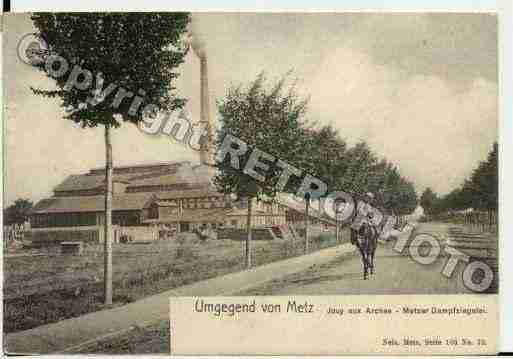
x=307, y=218
x=107, y=235
x=336, y=228
x=248, y=238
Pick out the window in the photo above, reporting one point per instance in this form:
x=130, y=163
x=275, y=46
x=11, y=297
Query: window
x=184, y=226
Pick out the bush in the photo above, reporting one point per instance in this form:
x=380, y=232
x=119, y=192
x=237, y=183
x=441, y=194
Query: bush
x=186, y=237
x=185, y=252
x=323, y=240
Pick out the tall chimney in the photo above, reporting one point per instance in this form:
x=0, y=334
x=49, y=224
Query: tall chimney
x=198, y=46
x=206, y=148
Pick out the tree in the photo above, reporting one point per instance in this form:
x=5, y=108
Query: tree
x=325, y=157
x=135, y=53
x=328, y=156
x=428, y=200
x=262, y=118
x=479, y=192
x=361, y=161
x=18, y=212
x=484, y=182
x=407, y=197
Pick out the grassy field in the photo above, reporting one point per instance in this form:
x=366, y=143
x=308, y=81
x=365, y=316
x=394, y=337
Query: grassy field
x=47, y=288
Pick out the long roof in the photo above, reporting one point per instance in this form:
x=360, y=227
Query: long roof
x=161, y=179
x=80, y=182
x=205, y=191
x=141, y=167
x=141, y=175
x=70, y=204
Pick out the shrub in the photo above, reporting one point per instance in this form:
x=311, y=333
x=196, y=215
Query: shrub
x=185, y=252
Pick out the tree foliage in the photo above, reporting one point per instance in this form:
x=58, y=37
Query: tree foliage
x=133, y=51
x=267, y=118
x=428, y=201
x=18, y=212
x=479, y=191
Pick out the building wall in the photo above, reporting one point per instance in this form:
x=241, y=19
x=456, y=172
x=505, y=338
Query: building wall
x=168, y=213
x=158, y=188
x=122, y=218
x=42, y=237
x=275, y=213
x=63, y=220
x=52, y=220
x=257, y=221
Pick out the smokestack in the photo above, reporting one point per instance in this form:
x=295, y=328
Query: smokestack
x=198, y=47
x=205, y=151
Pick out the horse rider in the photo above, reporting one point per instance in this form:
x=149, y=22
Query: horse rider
x=364, y=212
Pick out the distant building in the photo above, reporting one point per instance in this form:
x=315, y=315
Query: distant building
x=178, y=195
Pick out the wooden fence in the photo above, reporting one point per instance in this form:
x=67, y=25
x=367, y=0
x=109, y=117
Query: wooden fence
x=13, y=233
x=135, y=234
x=481, y=221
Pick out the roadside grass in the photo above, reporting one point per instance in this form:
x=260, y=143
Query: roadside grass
x=153, y=339
x=46, y=289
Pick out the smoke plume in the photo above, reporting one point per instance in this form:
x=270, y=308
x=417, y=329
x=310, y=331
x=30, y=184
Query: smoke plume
x=196, y=39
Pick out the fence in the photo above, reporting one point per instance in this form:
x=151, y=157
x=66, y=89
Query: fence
x=140, y=233
x=480, y=221
x=13, y=233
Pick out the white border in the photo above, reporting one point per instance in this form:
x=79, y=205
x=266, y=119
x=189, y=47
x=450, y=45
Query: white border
x=505, y=173
x=505, y=10
x=255, y=5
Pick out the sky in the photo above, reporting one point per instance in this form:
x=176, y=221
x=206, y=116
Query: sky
x=420, y=88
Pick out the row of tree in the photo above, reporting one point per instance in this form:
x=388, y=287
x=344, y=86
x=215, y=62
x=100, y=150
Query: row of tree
x=271, y=117
x=479, y=191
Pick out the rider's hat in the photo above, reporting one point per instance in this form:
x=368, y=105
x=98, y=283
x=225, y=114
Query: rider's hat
x=369, y=195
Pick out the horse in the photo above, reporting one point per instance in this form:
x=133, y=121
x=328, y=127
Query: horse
x=367, y=242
